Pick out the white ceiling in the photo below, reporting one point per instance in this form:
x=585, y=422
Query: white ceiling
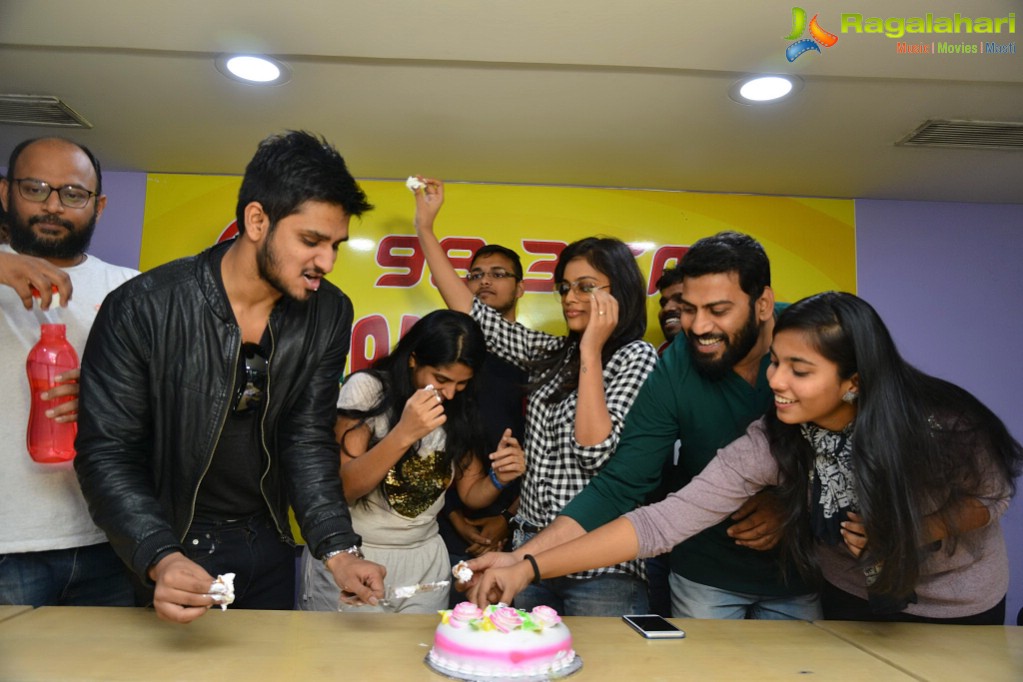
x=566, y=92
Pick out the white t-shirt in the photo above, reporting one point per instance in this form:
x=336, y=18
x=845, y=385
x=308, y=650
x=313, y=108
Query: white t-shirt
x=41, y=505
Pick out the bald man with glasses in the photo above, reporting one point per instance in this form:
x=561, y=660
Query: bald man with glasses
x=51, y=552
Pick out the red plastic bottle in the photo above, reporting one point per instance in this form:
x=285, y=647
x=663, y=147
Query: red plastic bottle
x=50, y=441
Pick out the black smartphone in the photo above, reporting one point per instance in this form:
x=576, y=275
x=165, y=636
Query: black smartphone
x=654, y=627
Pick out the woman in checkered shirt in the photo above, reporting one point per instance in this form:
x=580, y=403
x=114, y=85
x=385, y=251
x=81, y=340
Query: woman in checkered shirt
x=581, y=388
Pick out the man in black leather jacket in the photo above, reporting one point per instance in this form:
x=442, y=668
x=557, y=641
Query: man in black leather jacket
x=208, y=393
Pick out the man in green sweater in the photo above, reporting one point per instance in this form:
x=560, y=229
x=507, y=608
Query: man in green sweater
x=705, y=390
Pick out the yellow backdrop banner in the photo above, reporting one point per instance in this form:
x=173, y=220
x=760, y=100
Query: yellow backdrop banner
x=811, y=242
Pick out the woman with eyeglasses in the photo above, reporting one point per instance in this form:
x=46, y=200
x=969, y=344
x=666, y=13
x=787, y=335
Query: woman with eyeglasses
x=893, y=481
x=581, y=388
x=408, y=428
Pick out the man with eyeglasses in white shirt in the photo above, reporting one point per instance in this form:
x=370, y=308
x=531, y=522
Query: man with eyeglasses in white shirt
x=51, y=553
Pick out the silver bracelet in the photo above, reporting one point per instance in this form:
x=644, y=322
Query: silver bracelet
x=354, y=550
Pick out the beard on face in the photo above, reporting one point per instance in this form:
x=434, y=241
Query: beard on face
x=268, y=267
x=736, y=348
x=24, y=240
x=501, y=309
x=504, y=309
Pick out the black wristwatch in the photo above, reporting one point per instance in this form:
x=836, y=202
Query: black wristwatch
x=508, y=516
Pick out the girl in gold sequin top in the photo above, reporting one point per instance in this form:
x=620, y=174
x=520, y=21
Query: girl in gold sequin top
x=408, y=429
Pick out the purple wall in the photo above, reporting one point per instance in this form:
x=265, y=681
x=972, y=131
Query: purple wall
x=118, y=237
x=947, y=279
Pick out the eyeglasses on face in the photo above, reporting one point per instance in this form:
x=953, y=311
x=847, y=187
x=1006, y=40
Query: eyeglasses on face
x=39, y=192
x=493, y=273
x=250, y=394
x=583, y=287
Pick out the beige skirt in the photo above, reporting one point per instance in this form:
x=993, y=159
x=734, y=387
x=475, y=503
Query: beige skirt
x=423, y=563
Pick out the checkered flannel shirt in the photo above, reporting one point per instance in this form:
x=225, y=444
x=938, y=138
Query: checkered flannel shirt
x=558, y=467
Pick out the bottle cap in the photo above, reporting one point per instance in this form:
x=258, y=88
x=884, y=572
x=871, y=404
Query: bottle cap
x=35, y=292
x=54, y=298
x=51, y=314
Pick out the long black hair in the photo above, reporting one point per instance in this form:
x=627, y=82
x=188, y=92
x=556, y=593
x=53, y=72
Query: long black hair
x=920, y=443
x=612, y=258
x=440, y=338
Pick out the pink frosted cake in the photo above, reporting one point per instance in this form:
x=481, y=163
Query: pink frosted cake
x=501, y=642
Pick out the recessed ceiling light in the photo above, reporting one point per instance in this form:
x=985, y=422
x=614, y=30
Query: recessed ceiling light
x=761, y=89
x=253, y=69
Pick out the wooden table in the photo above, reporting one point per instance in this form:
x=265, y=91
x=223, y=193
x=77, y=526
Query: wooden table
x=92, y=643
x=11, y=611
x=945, y=652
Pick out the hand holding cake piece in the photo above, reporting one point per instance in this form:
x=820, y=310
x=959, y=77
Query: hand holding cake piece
x=462, y=572
x=222, y=590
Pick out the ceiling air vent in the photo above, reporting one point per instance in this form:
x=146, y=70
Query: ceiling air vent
x=39, y=110
x=966, y=135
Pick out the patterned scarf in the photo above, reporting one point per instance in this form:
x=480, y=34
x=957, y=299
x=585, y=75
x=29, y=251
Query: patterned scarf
x=832, y=482
x=833, y=494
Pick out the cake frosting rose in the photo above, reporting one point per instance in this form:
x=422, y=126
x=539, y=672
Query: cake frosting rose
x=501, y=642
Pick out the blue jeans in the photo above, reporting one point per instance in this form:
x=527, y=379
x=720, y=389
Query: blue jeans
x=694, y=600
x=614, y=594
x=262, y=561
x=77, y=576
